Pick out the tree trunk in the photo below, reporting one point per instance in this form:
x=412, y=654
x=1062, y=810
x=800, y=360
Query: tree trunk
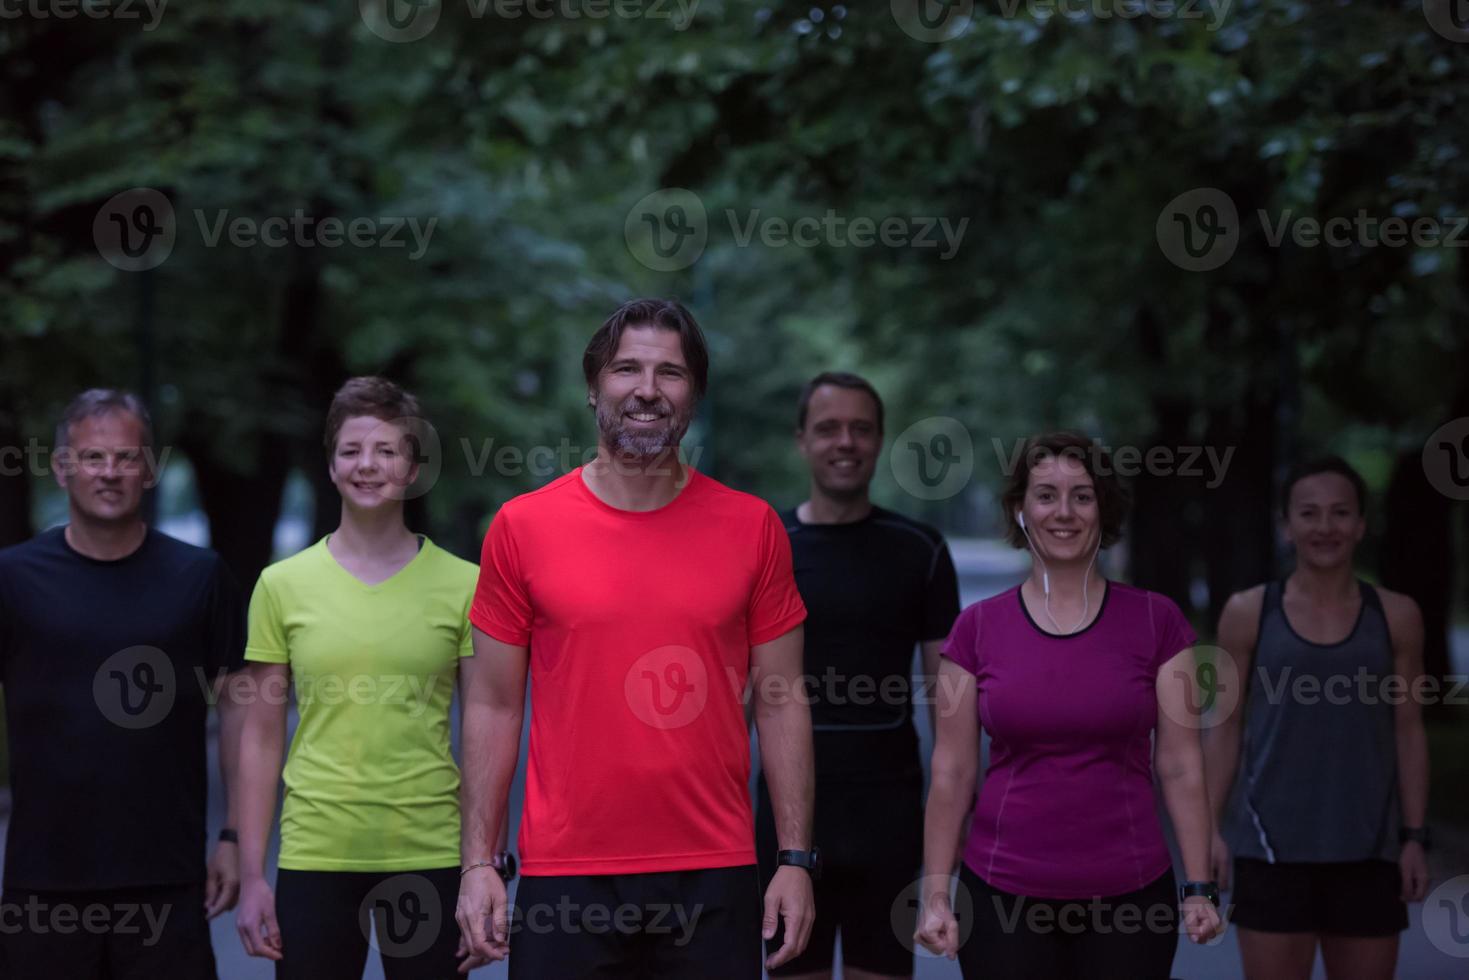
x=1162, y=541
x=15, y=477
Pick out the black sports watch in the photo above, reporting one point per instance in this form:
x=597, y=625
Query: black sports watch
x=504, y=865
x=1419, y=834
x=1208, y=889
x=810, y=860
x=229, y=835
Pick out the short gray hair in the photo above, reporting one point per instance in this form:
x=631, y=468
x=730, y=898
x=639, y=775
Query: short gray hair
x=102, y=401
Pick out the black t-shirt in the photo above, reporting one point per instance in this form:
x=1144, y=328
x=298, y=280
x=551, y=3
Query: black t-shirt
x=107, y=669
x=873, y=589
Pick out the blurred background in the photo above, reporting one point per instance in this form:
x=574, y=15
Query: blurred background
x=1229, y=234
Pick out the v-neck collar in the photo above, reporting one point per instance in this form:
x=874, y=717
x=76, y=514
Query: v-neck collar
x=423, y=545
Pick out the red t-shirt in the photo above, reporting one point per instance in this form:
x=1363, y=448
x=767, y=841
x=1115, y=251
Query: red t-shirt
x=639, y=625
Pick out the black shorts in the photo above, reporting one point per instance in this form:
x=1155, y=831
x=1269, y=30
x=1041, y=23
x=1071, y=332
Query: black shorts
x=1353, y=898
x=117, y=934
x=871, y=840
x=673, y=924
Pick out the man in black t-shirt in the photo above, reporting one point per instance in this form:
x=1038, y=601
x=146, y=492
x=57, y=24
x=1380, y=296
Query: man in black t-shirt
x=876, y=585
x=114, y=639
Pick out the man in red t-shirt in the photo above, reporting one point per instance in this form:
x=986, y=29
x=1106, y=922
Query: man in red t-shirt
x=643, y=597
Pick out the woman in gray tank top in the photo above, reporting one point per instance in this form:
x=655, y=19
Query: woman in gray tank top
x=1327, y=756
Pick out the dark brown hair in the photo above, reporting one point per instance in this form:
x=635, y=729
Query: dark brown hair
x=1317, y=466
x=665, y=314
x=841, y=379
x=1112, y=496
x=375, y=397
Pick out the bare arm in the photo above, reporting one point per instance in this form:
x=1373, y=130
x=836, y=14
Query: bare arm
x=929, y=652
x=1239, y=624
x=262, y=746
x=1178, y=759
x=231, y=727
x=954, y=777
x=1405, y=623
x=784, y=724
x=492, y=708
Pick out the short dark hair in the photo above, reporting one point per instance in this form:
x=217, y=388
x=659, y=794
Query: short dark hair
x=1317, y=466
x=375, y=397
x=103, y=401
x=841, y=379
x=665, y=314
x=1113, y=498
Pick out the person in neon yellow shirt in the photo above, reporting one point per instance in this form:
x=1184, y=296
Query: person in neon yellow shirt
x=368, y=625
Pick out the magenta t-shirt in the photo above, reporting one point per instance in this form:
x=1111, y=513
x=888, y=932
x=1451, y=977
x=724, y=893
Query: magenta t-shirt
x=1066, y=808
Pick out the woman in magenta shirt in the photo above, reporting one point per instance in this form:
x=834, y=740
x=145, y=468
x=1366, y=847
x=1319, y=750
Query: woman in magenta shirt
x=1065, y=871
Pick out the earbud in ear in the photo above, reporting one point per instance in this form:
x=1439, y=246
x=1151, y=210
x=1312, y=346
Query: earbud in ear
x=1020, y=518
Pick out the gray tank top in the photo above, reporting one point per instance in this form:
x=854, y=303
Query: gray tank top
x=1318, y=768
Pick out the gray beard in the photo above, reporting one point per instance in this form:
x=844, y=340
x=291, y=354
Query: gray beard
x=628, y=444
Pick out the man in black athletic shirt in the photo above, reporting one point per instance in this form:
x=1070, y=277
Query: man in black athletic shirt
x=875, y=585
x=114, y=638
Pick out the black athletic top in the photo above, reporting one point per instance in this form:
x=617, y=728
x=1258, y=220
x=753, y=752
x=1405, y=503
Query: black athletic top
x=107, y=667
x=873, y=589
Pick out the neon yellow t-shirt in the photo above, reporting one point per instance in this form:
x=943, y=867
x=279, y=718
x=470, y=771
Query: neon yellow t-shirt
x=371, y=783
